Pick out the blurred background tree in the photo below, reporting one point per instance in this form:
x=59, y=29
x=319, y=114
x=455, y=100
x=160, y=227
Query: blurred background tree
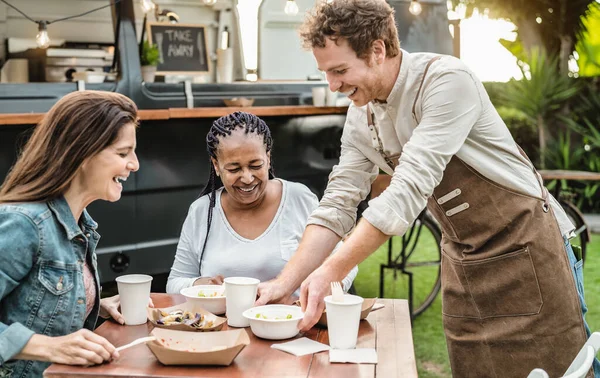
x=553, y=25
x=588, y=44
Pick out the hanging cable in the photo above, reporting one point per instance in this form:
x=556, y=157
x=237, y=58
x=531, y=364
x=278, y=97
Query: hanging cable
x=42, y=38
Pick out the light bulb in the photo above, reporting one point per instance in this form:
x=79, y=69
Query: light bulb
x=415, y=8
x=148, y=5
x=42, y=39
x=209, y=2
x=291, y=7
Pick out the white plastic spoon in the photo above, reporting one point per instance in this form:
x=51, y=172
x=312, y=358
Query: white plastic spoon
x=141, y=340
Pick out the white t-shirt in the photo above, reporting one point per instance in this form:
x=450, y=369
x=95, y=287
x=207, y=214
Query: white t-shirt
x=231, y=255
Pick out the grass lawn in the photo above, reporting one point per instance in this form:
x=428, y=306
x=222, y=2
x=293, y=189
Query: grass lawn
x=428, y=335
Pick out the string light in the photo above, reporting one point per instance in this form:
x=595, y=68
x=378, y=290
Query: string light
x=42, y=39
x=291, y=8
x=415, y=8
x=148, y=5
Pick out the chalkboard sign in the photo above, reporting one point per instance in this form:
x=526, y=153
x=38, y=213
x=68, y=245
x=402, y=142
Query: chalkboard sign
x=182, y=48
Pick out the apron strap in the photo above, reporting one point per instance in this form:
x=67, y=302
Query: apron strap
x=375, y=141
x=421, y=85
x=545, y=195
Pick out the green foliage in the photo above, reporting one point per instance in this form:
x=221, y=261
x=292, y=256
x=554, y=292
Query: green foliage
x=150, y=54
x=561, y=19
x=543, y=89
x=521, y=127
x=516, y=48
x=562, y=155
x=589, y=130
x=493, y=89
x=588, y=44
x=585, y=117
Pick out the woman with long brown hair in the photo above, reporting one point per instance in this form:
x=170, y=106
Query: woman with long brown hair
x=81, y=151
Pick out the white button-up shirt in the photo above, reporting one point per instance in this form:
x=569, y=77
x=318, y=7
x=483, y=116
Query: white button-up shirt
x=453, y=116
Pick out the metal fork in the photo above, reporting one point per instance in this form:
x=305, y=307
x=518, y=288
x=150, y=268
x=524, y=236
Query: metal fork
x=337, y=294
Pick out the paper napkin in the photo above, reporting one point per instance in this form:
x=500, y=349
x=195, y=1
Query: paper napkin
x=301, y=346
x=377, y=306
x=357, y=356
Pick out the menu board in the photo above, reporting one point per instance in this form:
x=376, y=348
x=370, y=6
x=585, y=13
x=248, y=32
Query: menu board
x=182, y=47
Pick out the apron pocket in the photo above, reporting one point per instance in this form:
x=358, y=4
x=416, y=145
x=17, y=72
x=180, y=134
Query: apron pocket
x=456, y=300
x=504, y=285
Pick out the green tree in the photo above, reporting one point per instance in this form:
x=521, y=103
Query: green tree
x=588, y=45
x=562, y=22
x=541, y=92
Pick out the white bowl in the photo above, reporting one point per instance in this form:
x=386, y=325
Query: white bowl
x=214, y=304
x=89, y=76
x=274, y=322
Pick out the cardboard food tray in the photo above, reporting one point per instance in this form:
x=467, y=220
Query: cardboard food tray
x=367, y=305
x=193, y=348
x=154, y=315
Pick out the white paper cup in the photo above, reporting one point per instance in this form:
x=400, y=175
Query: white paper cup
x=343, y=319
x=331, y=98
x=224, y=66
x=240, y=295
x=318, y=95
x=134, y=293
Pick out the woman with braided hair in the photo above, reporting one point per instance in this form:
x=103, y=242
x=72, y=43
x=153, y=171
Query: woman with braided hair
x=246, y=222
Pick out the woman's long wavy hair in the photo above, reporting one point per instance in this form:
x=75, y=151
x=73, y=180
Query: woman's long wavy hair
x=222, y=128
x=76, y=128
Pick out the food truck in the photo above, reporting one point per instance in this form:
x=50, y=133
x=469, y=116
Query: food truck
x=214, y=57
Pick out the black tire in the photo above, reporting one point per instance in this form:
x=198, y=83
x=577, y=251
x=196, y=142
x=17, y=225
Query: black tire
x=581, y=228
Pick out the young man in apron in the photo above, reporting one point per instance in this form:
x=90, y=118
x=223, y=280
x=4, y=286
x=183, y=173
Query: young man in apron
x=509, y=292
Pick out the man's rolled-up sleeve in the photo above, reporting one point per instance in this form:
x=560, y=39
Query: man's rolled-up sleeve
x=451, y=106
x=349, y=184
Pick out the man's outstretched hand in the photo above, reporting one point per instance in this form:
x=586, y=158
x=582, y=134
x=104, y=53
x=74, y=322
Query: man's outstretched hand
x=312, y=292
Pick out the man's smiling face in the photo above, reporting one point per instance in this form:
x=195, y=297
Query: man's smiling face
x=360, y=79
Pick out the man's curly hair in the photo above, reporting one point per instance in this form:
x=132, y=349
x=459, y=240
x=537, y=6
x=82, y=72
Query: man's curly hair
x=360, y=22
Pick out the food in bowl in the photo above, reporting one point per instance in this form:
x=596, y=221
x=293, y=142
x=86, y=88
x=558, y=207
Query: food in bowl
x=263, y=316
x=274, y=322
x=212, y=294
x=209, y=297
x=196, y=320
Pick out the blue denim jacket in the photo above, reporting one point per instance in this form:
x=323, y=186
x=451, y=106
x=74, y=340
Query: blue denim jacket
x=42, y=252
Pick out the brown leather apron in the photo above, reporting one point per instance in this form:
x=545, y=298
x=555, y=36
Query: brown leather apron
x=509, y=299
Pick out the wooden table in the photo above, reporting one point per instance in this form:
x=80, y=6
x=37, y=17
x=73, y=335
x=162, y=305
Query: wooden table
x=388, y=330
x=569, y=175
x=206, y=112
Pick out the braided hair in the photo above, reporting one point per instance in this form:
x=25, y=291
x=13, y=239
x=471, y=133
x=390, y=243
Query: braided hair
x=222, y=128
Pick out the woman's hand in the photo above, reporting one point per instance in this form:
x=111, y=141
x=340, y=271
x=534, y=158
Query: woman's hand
x=273, y=291
x=80, y=348
x=216, y=280
x=109, y=308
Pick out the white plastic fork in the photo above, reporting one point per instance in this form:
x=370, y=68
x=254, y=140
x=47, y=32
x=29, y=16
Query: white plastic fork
x=141, y=340
x=337, y=294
